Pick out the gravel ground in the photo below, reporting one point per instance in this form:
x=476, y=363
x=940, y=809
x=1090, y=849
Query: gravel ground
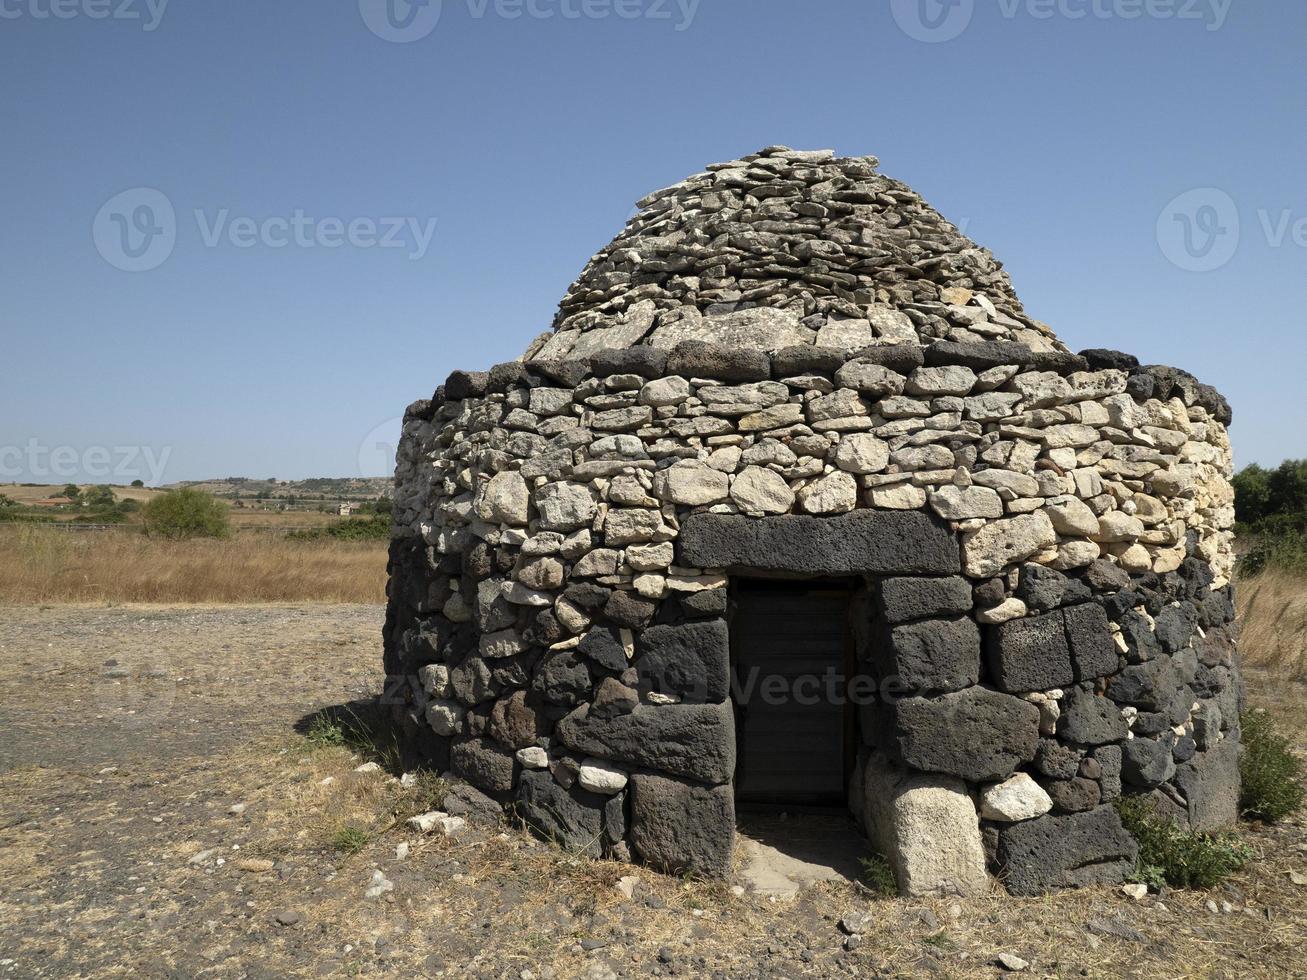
x=163, y=814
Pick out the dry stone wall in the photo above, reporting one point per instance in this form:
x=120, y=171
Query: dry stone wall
x=789, y=365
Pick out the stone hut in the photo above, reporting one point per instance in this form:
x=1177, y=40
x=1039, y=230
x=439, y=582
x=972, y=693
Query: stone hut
x=797, y=506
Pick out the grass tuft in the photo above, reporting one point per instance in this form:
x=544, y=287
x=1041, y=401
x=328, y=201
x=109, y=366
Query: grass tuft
x=349, y=839
x=878, y=876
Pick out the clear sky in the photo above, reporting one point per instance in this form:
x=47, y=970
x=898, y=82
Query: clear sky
x=1060, y=133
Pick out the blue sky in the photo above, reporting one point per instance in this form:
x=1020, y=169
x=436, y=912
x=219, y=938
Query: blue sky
x=1062, y=142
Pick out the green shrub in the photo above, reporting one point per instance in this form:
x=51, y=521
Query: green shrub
x=185, y=513
x=1180, y=858
x=1276, y=549
x=1272, y=774
x=372, y=529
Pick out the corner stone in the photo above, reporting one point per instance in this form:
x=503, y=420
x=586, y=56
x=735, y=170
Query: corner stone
x=679, y=827
x=1074, y=851
x=927, y=828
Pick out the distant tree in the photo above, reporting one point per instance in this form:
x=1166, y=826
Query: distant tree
x=1287, y=486
x=138, y=483
x=1261, y=495
x=71, y=491
x=1252, y=494
x=98, y=497
x=186, y=513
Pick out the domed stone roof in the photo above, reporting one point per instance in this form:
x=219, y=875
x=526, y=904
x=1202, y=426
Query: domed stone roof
x=788, y=247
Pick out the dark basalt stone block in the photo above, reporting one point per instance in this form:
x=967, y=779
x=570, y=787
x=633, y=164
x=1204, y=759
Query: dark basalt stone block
x=931, y=655
x=699, y=359
x=1210, y=784
x=978, y=356
x=1073, y=851
x=648, y=362
x=1093, y=651
x=575, y=819
x=466, y=384
x=976, y=734
x=1059, y=362
x=902, y=358
x=629, y=611
x=424, y=409
x=792, y=362
x=900, y=600
x=603, y=647
x=1043, y=589
x=1148, y=686
x=508, y=375
x=709, y=602
x=1029, y=654
x=692, y=740
x=679, y=827
x=1101, y=359
x=1090, y=720
x=1147, y=762
x=484, y=764
x=1057, y=761
x=563, y=678
x=567, y=373
x=1074, y=795
x=691, y=661
x=1140, y=387
x=1175, y=626
x=863, y=542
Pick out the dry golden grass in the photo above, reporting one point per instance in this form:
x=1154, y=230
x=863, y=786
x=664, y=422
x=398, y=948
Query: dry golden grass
x=44, y=565
x=1273, y=614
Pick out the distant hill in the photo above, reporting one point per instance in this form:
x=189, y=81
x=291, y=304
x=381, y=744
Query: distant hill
x=317, y=488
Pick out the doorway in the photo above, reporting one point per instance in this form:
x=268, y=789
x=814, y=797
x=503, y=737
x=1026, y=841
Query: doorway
x=791, y=649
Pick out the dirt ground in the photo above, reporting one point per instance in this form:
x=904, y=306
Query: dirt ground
x=172, y=805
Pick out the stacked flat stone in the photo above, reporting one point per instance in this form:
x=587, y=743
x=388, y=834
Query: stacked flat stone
x=791, y=365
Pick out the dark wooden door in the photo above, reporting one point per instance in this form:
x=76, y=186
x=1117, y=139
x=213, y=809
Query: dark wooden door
x=792, y=749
